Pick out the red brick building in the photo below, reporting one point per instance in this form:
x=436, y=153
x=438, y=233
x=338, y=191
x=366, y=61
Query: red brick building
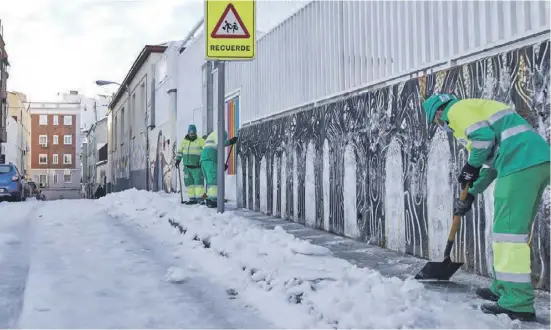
x=55, y=148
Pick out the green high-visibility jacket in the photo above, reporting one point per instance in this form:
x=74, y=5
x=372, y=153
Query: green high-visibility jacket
x=190, y=151
x=496, y=136
x=209, y=152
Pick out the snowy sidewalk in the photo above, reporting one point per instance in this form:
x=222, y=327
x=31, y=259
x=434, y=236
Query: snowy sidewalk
x=390, y=263
x=293, y=283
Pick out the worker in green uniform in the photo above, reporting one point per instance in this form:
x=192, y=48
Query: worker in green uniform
x=189, y=151
x=209, y=165
x=513, y=152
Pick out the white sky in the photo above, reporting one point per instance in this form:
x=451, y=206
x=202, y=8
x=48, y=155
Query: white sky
x=60, y=45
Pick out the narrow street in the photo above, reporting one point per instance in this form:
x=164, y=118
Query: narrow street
x=64, y=265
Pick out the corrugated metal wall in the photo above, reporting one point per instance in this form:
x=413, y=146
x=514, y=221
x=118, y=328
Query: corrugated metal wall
x=329, y=47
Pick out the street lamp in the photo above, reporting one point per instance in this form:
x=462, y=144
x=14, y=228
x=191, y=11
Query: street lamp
x=106, y=82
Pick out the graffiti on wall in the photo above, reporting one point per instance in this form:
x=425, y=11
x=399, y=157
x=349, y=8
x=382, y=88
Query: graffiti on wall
x=379, y=172
x=162, y=163
x=232, y=120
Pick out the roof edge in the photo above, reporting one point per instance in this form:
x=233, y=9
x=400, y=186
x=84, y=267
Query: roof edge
x=138, y=63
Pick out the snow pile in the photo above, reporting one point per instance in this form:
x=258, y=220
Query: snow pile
x=175, y=275
x=291, y=282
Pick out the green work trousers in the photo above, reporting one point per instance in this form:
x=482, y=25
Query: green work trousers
x=516, y=202
x=193, y=179
x=210, y=170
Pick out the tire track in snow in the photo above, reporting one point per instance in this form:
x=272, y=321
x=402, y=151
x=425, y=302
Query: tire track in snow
x=14, y=260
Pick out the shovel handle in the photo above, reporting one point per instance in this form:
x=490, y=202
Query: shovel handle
x=455, y=224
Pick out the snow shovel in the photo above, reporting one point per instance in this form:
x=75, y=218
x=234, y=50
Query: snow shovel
x=229, y=153
x=181, y=187
x=443, y=271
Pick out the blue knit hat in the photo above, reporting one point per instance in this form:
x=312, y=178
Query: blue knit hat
x=192, y=129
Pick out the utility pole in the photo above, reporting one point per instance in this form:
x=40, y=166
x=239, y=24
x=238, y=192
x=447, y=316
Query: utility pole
x=221, y=139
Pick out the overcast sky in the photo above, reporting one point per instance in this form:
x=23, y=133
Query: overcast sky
x=58, y=45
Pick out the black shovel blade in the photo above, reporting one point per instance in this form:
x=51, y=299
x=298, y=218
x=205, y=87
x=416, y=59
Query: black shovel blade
x=440, y=271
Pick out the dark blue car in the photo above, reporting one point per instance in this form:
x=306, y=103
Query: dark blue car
x=12, y=185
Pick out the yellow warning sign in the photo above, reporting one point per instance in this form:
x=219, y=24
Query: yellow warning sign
x=230, y=29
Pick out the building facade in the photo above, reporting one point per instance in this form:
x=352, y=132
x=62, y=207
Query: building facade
x=131, y=118
x=94, y=158
x=18, y=127
x=55, y=148
x=3, y=90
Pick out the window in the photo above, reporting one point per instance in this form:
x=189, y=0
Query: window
x=56, y=139
x=142, y=101
x=67, y=120
x=55, y=159
x=130, y=113
x=114, y=132
x=5, y=169
x=122, y=128
x=43, y=159
x=43, y=120
x=56, y=120
x=55, y=177
x=67, y=159
x=43, y=139
x=68, y=139
x=42, y=179
x=67, y=178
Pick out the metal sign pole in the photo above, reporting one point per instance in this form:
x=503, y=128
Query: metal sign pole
x=221, y=139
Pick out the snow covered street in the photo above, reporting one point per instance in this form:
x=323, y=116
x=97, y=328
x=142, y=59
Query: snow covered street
x=139, y=259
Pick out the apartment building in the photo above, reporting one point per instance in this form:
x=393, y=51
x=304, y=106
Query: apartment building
x=55, y=148
x=3, y=91
x=18, y=127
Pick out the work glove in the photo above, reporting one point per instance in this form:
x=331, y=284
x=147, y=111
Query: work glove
x=178, y=162
x=469, y=174
x=225, y=167
x=460, y=207
x=233, y=140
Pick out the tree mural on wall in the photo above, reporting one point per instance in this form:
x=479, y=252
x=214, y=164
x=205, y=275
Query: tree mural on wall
x=368, y=123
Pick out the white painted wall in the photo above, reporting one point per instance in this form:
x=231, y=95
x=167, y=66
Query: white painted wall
x=439, y=195
x=350, y=208
x=310, y=187
x=12, y=148
x=395, y=221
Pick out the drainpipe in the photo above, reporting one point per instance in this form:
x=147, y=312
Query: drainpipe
x=190, y=35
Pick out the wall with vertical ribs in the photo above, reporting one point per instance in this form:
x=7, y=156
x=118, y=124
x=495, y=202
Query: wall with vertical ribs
x=328, y=47
x=367, y=164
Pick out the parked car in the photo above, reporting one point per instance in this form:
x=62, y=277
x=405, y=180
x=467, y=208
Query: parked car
x=12, y=183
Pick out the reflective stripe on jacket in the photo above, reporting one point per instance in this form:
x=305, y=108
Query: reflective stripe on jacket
x=209, y=152
x=190, y=151
x=496, y=136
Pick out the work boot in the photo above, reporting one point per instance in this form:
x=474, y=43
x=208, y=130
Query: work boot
x=492, y=308
x=487, y=294
x=192, y=202
x=211, y=204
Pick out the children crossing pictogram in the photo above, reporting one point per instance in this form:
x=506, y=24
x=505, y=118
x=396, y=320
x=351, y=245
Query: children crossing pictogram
x=230, y=25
